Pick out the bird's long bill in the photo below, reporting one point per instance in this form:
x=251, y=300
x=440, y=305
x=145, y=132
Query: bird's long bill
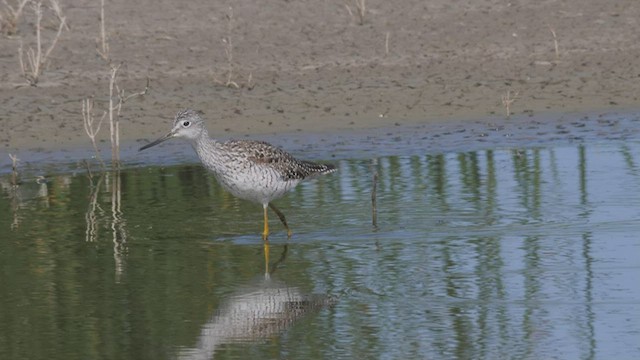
x=154, y=143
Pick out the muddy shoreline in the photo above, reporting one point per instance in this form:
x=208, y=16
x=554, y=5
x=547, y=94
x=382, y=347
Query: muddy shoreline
x=460, y=135
x=314, y=69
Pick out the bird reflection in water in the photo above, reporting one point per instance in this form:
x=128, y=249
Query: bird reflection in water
x=256, y=313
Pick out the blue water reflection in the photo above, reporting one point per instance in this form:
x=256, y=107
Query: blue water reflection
x=503, y=253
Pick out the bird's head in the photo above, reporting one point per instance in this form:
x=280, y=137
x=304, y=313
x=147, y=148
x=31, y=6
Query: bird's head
x=187, y=125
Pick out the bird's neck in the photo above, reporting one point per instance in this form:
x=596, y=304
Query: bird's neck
x=208, y=151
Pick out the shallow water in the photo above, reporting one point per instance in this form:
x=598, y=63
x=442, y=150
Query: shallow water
x=511, y=253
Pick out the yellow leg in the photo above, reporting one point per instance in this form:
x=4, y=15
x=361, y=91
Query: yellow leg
x=265, y=233
x=282, y=218
x=266, y=258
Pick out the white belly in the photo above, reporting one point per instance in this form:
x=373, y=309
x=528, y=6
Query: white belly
x=257, y=183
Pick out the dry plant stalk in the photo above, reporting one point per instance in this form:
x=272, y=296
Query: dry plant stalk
x=114, y=121
x=360, y=6
x=386, y=44
x=89, y=121
x=228, y=51
x=507, y=100
x=361, y=9
x=117, y=98
x=37, y=59
x=10, y=15
x=104, y=41
x=114, y=125
x=555, y=41
x=14, y=169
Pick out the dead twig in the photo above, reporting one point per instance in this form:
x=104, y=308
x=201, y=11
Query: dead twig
x=104, y=40
x=555, y=41
x=231, y=66
x=36, y=58
x=89, y=121
x=123, y=99
x=386, y=44
x=507, y=100
x=114, y=110
x=10, y=15
x=361, y=10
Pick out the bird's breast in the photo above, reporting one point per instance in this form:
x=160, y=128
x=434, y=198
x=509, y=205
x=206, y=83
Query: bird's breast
x=253, y=182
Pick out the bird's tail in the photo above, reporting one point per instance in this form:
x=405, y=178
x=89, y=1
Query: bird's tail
x=320, y=169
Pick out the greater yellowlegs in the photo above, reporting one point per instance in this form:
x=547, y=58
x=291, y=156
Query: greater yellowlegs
x=251, y=170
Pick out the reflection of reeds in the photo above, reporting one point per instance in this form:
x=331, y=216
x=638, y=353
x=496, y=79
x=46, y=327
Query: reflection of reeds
x=118, y=223
x=14, y=169
x=374, y=200
x=91, y=234
x=13, y=193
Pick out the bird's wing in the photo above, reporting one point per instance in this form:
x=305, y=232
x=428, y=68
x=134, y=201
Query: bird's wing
x=285, y=164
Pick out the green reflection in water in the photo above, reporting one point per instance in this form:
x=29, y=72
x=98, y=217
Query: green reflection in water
x=525, y=253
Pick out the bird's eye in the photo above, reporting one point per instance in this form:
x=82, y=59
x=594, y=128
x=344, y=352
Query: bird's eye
x=186, y=124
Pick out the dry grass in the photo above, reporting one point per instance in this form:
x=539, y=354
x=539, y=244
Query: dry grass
x=386, y=43
x=115, y=108
x=555, y=41
x=103, y=42
x=10, y=15
x=231, y=66
x=89, y=125
x=508, y=99
x=117, y=98
x=361, y=10
x=37, y=59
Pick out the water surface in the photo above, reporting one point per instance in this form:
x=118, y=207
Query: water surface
x=523, y=253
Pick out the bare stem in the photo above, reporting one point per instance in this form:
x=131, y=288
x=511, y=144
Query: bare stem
x=114, y=120
x=104, y=51
x=89, y=120
x=114, y=126
x=10, y=15
x=386, y=44
x=14, y=169
x=361, y=9
x=507, y=100
x=361, y=6
x=555, y=41
x=228, y=51
x=36, y=60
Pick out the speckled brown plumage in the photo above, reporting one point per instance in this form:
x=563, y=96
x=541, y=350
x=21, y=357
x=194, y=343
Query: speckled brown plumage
x=284, y=163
